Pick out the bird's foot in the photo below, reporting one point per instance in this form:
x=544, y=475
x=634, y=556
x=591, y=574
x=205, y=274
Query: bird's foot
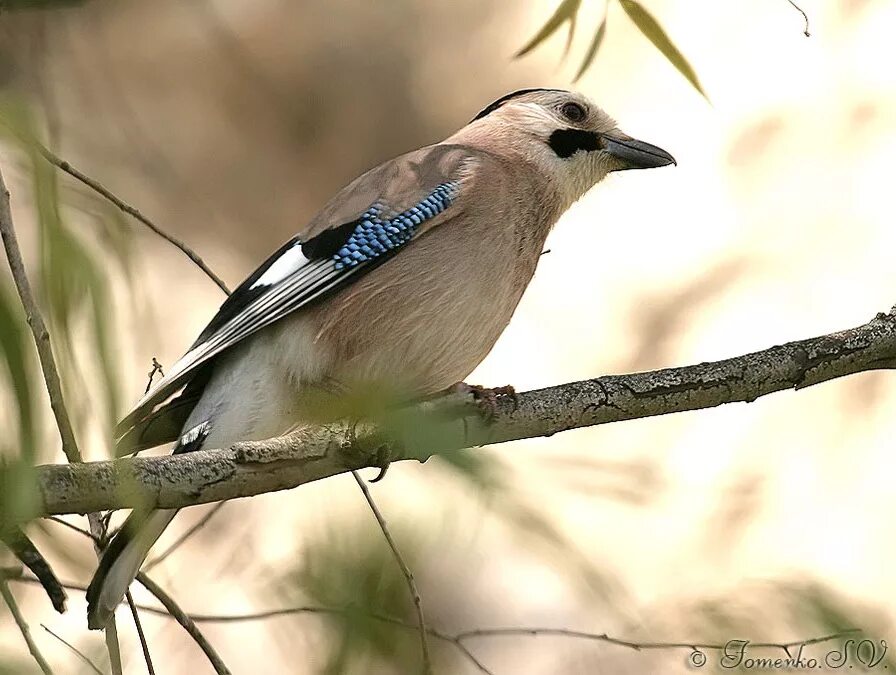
x=383, y=462
x=486, y=399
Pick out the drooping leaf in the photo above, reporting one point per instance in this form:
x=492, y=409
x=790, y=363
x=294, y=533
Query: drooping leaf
x=15, y=355
x=652, y=30
x=571, y=34
x=592, y=49
x=565, y=12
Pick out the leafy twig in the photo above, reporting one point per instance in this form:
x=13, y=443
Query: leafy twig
x=405, y=570
x=10, y=601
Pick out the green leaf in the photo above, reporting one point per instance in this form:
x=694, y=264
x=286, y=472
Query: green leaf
x=565, y=12
x=592, y=49
x=14, y=354
x=655, y=33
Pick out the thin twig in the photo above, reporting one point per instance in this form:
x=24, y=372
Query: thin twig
x=143, y=644
x=23, y=627
x=637, y=646
x=51, y=378
x=186, y=535
x=75, y=528
x=799, y=9
x=38, y=328
x=156, y=368
x=458, y=639
x=74, y=649
x=184, y=620
x=405, y=570
x=96, y=186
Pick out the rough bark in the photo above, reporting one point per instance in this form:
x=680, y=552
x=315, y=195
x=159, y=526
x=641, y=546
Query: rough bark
x=451, y=423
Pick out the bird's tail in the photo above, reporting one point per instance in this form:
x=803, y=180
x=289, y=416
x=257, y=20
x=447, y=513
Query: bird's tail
x=121, y=561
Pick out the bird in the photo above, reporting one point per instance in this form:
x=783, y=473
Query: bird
x=408, y=275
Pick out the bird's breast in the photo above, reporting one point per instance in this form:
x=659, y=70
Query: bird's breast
x=427, y=317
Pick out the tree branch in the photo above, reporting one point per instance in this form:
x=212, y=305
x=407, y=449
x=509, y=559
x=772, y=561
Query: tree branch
x=251, y=468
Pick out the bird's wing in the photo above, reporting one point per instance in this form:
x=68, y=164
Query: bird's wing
x=361, y=227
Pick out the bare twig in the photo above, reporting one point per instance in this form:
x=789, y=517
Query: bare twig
x=156, y=368
x=405, y=570
x=637, y=646
x=182, y=538
x=71, y=526
x=184, y=620
x=51, y=378
x=799, y=9
x=143, y=644
x=94, y=185
x=75, y=650
x=459, y=639
x=10, y=601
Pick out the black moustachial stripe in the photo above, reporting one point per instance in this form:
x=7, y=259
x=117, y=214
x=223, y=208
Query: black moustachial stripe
x=566, y=142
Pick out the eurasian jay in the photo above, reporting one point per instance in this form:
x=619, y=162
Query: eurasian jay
x=408, y=276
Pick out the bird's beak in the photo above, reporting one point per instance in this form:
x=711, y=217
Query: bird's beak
x=634, y=154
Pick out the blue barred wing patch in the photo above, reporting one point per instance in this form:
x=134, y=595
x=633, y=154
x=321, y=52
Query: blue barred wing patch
x=376, y=234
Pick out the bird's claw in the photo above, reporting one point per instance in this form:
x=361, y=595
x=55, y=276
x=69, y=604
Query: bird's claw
x=486, y=399
x=382, y=463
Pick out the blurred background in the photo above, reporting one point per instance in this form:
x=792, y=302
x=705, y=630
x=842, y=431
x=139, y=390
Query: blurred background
x=230, y=123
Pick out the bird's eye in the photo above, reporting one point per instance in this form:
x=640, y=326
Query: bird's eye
x=573, y=112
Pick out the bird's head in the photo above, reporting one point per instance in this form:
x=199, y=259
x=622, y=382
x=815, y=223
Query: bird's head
x=567, y=136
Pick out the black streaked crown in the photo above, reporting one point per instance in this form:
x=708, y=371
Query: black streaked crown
x=492, y=107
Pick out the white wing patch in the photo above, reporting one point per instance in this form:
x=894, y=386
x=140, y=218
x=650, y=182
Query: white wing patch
x=291, y=260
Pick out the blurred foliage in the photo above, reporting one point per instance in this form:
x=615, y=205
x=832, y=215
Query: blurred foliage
x=567, y=12
x=15, y=349
x=353, y=571
x=13, y=5
x=77, y=262
x=79, y=259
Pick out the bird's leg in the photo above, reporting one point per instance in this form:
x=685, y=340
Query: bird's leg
x=486, y=399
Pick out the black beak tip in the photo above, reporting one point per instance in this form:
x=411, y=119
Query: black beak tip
x=634, y=154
